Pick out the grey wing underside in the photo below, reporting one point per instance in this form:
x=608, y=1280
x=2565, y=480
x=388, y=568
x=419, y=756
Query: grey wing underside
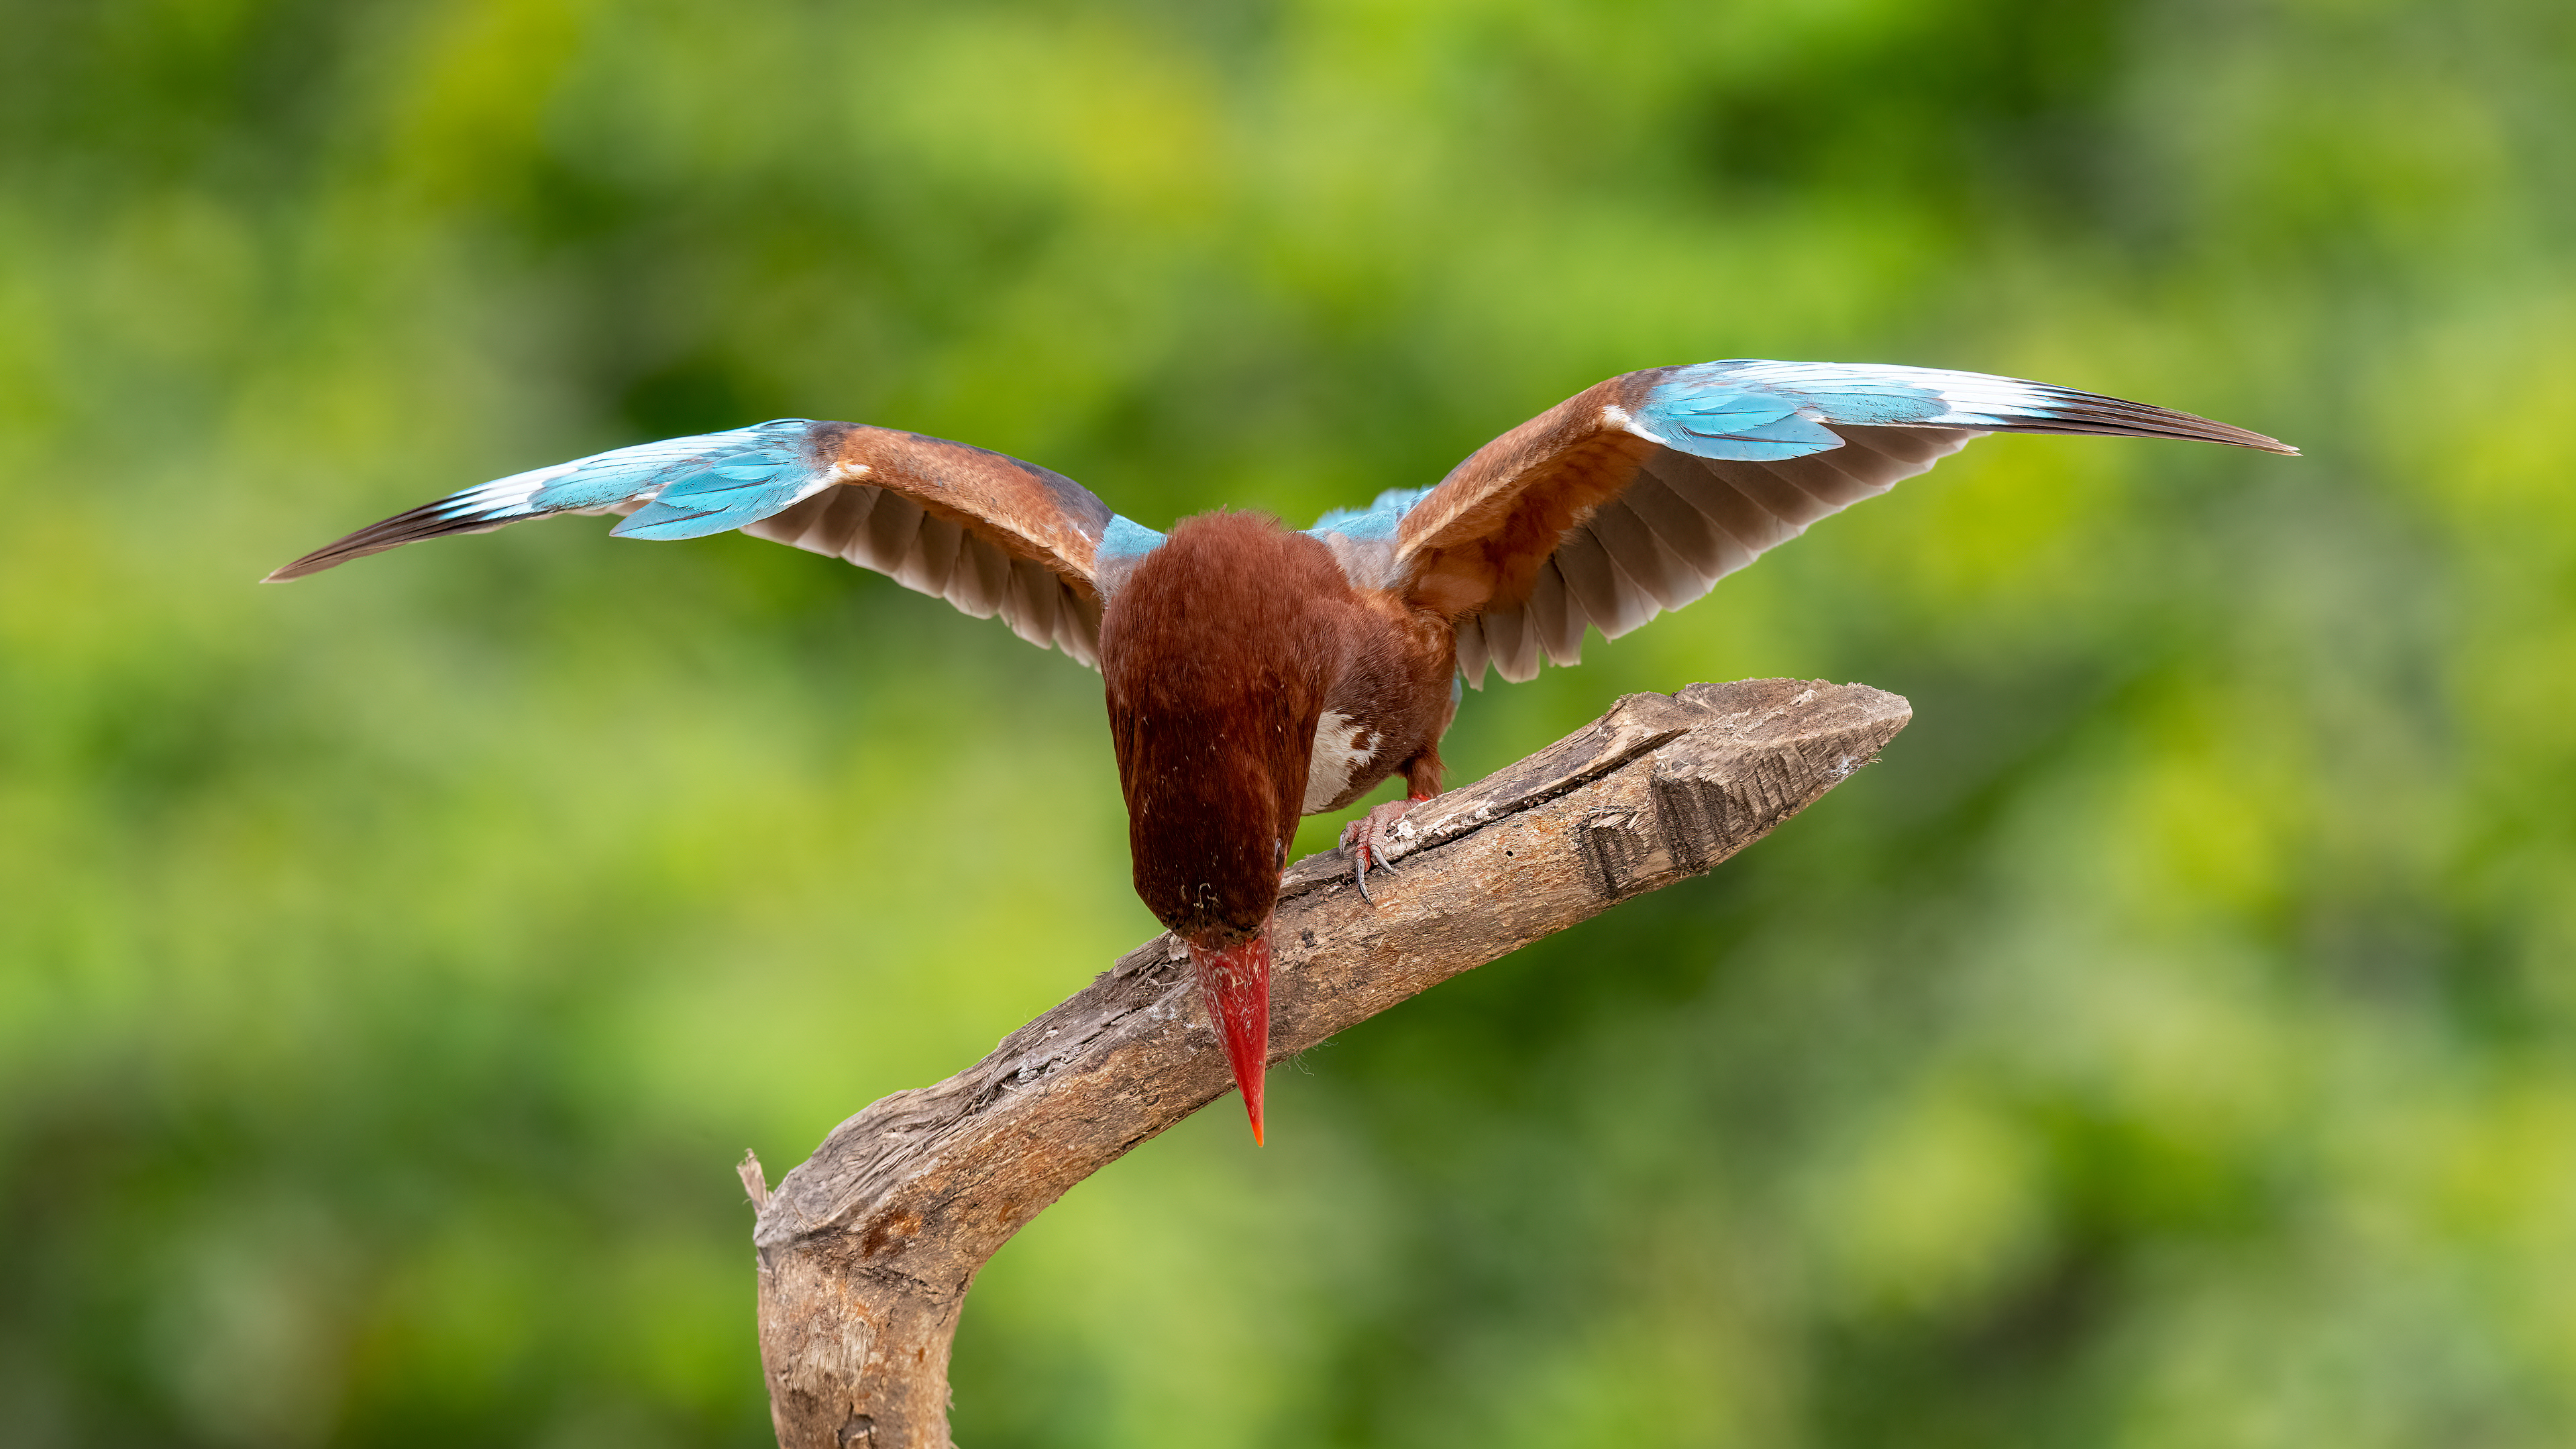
x=878, y=529
x=1681, y=525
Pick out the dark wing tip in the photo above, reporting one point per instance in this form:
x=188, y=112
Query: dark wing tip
x=2092, y=412
x=427, y=521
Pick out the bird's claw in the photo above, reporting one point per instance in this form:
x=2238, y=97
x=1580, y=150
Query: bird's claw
x=1360, y=869
x=1371, y=843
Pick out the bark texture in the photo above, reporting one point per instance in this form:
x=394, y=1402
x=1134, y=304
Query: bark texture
x=866, y=1250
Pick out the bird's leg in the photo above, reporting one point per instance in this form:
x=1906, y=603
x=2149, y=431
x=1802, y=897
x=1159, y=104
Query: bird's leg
x=1370, y=840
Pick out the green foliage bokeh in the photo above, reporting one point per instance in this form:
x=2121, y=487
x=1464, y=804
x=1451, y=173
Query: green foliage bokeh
x=2173, y=1042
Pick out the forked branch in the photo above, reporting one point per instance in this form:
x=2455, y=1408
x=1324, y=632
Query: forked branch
x=867, y=1249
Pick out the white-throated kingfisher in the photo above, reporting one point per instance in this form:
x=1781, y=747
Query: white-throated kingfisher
x=1258, y=673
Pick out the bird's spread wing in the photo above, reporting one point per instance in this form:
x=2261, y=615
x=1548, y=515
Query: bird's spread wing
x=988, y=533
x=1638, y=494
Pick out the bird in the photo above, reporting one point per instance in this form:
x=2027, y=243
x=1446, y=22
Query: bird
x=1255, y=673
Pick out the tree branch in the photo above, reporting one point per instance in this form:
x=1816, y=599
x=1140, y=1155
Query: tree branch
x=866, y=1250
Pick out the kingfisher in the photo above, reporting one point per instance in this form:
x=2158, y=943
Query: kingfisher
x=1257, y=673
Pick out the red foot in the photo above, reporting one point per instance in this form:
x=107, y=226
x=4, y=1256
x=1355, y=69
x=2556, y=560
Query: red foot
x=1370, y=840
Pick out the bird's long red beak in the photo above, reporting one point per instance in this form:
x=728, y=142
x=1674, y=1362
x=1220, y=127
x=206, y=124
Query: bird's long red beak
x=1235, y=984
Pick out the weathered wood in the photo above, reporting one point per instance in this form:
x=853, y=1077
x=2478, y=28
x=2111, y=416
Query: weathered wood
x=866, y=1250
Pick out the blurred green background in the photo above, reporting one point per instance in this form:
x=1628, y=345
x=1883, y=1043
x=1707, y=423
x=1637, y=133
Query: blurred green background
x=2173, y=1042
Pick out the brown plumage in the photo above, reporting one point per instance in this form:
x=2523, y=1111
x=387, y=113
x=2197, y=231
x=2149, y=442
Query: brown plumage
x=1256, y=674
x=1225, y=653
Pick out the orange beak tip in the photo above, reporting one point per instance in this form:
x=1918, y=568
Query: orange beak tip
x=1252, y=1105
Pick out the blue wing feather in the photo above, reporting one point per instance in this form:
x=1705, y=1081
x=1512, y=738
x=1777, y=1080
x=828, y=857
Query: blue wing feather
x=715, y=480
x=708, y=484
x=1375, y=523
x=1126, y=540
x=1764, y=412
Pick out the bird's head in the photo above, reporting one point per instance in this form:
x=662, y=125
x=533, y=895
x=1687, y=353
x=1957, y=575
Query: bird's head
x=1209, y=821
